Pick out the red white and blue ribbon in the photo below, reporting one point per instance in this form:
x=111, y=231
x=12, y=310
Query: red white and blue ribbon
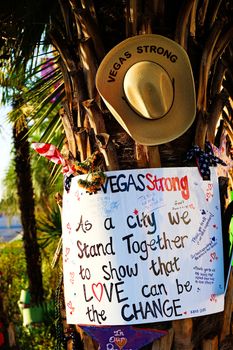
x=204, y=159
x=50, y=152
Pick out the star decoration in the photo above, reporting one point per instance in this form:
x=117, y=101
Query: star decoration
x=221, y=153
x=122, y=337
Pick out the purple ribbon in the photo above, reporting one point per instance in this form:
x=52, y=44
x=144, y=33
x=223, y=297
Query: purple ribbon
x=122, y=337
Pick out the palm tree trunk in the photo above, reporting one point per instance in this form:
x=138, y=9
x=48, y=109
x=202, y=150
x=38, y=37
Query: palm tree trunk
x=26, y=205
x=193, y=26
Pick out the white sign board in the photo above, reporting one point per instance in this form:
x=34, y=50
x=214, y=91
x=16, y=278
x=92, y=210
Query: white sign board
x=145, y=248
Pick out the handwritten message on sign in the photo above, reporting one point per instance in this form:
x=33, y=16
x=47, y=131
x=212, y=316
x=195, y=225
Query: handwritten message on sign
x=147, y=247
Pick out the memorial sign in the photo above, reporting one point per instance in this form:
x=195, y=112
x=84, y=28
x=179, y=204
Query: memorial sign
x=145, y=248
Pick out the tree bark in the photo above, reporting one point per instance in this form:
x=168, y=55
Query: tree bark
x=27, y=206
x=201, y=30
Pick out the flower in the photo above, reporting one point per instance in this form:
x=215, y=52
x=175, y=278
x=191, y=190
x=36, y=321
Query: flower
x=1, y=339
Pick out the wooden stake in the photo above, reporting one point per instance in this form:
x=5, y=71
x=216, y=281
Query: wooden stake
x=154, y=156
x=164, y=343
x=210, y=344
x=183, y=334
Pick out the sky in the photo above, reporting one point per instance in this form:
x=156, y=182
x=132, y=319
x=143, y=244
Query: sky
x=5, y=144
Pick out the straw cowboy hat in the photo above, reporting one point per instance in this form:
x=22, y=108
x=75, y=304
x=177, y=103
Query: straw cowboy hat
x=147, y=84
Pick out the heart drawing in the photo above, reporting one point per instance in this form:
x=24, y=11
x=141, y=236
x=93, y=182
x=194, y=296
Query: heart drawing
x=67, y=251
x=70, y=306
x=97, y=290
x=72, y=274
x=120, y=342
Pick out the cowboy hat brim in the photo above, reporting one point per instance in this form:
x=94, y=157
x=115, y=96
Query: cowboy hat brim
x=173, y=58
